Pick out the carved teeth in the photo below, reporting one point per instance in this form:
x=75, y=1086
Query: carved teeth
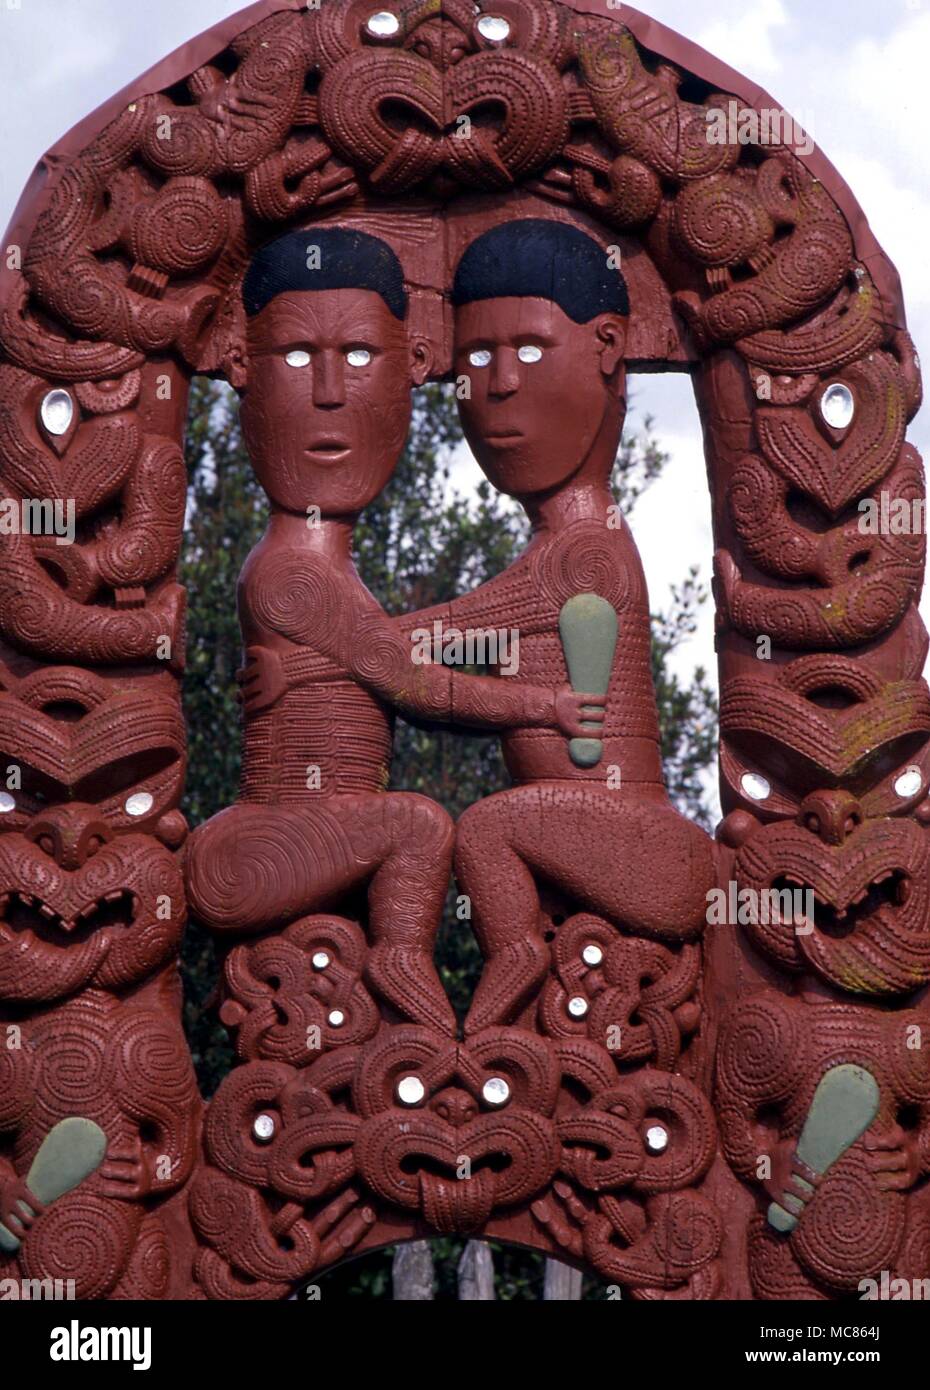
x=841, y=910
x=115, y=896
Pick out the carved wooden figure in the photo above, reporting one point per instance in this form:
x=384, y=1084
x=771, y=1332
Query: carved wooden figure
x=328, y=206
x=325, y=417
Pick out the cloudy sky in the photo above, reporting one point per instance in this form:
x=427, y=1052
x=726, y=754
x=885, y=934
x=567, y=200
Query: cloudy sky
x=852, y=72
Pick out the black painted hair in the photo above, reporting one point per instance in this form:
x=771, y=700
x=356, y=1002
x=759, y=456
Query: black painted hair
x=348, y=260
x=541, y=259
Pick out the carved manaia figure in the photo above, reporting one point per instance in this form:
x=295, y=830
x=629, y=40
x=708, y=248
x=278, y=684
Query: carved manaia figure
x=325, y=418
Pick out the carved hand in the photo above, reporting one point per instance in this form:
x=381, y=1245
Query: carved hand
x=893, y=1155
x=261, y=681
x=125, y=1172
x=13, y=1191
x=576, y=713
x=787, y=1168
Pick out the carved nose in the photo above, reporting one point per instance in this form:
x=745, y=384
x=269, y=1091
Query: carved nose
x=833, y=816
x=454, y=1106
x=69, y=834
x=505, y=372
x=328, y=381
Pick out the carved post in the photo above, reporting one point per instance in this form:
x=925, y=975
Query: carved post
x=562, y=1283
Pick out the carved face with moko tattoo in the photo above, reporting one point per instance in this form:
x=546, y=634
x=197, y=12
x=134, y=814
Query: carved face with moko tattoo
x=540, y=333
x=330, y=367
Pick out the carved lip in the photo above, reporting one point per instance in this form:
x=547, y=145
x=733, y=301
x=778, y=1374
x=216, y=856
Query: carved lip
x=503, y=437
x=328, y=450
x=838, y=914
x=24, y=911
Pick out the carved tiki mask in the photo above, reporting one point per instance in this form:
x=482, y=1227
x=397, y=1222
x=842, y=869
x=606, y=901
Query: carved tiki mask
x=846, y=763
x=88, y=895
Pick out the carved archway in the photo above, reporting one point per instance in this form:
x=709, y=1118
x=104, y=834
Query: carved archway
x=750, y=266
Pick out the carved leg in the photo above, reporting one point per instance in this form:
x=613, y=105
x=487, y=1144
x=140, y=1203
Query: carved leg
x=775, y=1272
x=637, y=862
x=405, y=902
x=253, y=868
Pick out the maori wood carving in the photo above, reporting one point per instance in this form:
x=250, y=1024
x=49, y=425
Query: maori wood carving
x=328, y=207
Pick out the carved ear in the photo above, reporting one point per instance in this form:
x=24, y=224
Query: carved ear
x=236, y=365
x=611, y=332
x=421, y=360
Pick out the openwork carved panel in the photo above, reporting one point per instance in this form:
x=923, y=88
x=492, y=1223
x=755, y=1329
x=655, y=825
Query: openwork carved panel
x=480, y=193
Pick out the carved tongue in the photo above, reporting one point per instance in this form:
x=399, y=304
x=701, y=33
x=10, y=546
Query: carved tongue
x=457, y=1205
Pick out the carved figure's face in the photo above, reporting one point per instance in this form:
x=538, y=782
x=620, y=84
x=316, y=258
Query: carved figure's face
x=87, y=896
x=426, y=1101
x=327, y=404
x=842, y=759
x=867, y=884
x=541, y=386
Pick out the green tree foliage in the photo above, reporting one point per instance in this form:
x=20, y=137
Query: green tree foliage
x=419, y=544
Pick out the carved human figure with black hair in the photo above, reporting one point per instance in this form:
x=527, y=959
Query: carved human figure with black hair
x=540, y=333
x=325, y=418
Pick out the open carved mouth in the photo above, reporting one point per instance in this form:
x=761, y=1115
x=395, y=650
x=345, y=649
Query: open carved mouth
x=892, y=888
x=22, y=912
x=430, y=1165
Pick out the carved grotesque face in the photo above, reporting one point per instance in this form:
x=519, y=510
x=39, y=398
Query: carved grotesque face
x=858, y=855
x=327, y=404
x=277, y=991
x=867, y=883
x=425, y=1101
x=87, y=896
x=271, y=1134
x=541, y=388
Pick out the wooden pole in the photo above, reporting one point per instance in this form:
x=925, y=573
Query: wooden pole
x=412, y=1274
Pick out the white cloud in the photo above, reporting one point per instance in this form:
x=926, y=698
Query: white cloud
x=75, y=56
x=886, y=80
x=748, y=39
